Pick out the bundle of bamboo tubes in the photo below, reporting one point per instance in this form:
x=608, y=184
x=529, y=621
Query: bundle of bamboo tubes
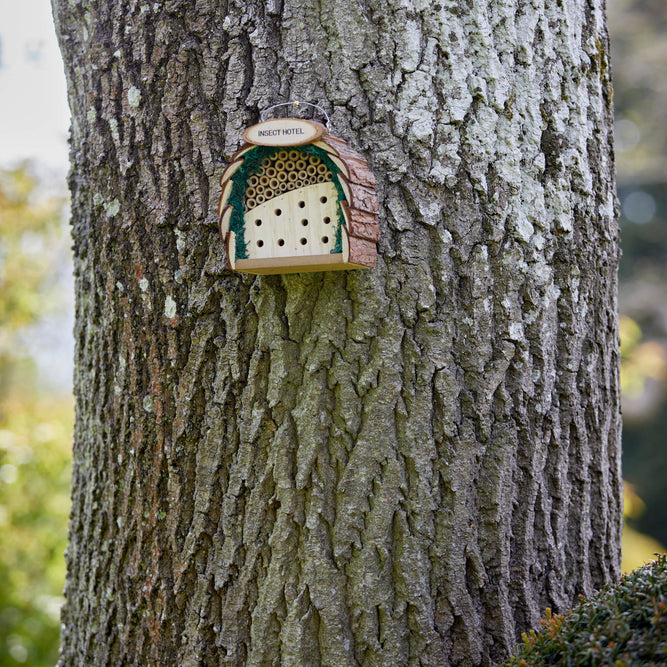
x=283, y=172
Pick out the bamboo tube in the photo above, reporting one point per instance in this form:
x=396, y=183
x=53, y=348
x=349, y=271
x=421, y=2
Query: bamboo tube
x=280, y=165
x=322, y=169
x=289, y=165
x=294, y=155
x=313, y=159
x=250, y=203
x=303, y=175
x=260, y=199
x=281, y=176
x=274, y=183
x=321, y=178
x=264, y=180
x=250, y=192
x=266, y=162
x=292, y=176
x=311, y=170
x=300, y=164
x=271, y=172
x=282, y=155
x=282, y=187
x=253, y=180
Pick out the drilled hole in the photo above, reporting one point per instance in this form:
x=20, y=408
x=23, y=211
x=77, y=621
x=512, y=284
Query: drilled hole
x=278, y=211
x=327, y=220
x=302, y=204
x=281, y=242
x=325, y=239
x=304, y=241
x=304, y=222
x=258, y=222
x=323, y=200
x=260, y=243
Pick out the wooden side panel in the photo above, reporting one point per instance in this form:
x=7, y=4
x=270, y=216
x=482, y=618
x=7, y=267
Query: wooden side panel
x=342, y=148
x=360, y=223
x=345, y=242
x=340, y=164
x=362, y=252
x=230, y=170
x=326, y=147
x=224, y=221
x=360, y=173
x=231, y=250
x=224, y=196
x=359, y=196
x=356, y=167
x=242, y=151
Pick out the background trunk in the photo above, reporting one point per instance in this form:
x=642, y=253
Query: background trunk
x=397, y=466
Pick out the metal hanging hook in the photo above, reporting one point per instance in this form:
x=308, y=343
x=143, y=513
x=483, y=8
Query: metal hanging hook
x=297, y=104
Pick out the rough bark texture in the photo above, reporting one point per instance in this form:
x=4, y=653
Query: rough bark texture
x=397, y=466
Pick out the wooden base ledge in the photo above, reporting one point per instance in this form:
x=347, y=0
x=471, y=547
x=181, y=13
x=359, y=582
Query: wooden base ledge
x=296, y=264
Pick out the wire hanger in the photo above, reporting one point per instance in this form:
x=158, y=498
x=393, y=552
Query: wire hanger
x=296, y=104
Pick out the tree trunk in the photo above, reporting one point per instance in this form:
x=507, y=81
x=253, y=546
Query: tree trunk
x=396, y=466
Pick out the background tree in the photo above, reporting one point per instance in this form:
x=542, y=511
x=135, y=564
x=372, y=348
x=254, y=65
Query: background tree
x=396, y=466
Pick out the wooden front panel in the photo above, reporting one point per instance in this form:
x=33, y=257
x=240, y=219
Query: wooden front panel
x=300, y=222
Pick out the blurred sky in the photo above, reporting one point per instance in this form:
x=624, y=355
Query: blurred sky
x=34, y=117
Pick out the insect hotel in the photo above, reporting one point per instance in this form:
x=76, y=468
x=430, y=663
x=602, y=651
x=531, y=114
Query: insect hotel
x=295, y=199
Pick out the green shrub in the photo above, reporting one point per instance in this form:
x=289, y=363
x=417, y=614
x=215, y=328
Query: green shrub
x=624, y=624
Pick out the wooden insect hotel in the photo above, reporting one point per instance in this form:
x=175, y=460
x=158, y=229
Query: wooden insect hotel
x=295, y=199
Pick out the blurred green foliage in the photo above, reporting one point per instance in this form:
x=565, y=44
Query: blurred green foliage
x=638, y=30
x=644, y=386
x=643, y=302
x=641, y=361
x=35, y=452
x=31, y=255
x=638, y=548
x=639, y=54
x=35, y=429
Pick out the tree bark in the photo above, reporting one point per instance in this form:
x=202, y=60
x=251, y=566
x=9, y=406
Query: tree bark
x=396, y=466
